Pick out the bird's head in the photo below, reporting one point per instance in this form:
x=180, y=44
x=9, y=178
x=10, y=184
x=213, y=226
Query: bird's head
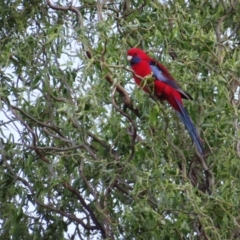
x=136, y=55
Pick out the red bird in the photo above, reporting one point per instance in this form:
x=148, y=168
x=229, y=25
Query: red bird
x=165, y=87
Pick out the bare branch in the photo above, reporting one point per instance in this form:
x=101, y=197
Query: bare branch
x=87, y=207
x=71, y=8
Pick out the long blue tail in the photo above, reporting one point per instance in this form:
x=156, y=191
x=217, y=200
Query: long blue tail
x=183, y=115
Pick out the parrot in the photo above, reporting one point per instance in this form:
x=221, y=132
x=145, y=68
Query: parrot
x=164, y=87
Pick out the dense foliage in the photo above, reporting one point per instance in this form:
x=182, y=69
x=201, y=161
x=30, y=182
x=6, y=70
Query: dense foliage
x=87, y=155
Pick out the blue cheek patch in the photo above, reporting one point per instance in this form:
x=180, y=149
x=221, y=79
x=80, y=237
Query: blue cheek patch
x=135, y=60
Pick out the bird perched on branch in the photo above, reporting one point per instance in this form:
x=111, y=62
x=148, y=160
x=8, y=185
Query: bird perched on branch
x=154, y=78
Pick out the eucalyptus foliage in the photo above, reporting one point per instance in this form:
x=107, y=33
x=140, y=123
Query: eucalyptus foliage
x=87, y=155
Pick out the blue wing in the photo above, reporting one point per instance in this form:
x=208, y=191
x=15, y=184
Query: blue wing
x=158, y=74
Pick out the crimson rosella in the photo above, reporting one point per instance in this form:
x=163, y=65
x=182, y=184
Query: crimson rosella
x=164, y=87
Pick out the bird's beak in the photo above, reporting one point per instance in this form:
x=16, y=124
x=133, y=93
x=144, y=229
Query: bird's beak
x=129, y=58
